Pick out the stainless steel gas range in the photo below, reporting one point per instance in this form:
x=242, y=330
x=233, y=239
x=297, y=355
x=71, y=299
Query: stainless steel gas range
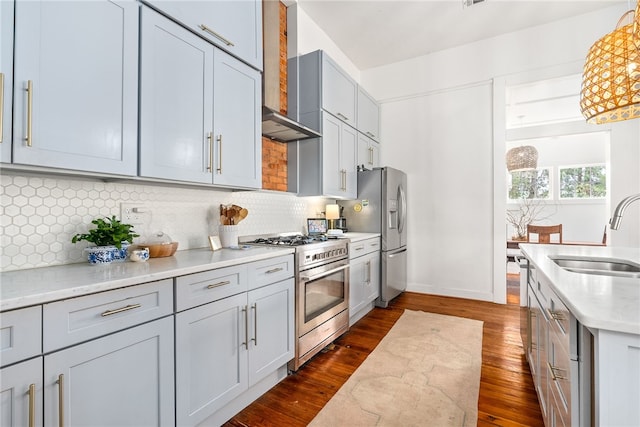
x=322, y=291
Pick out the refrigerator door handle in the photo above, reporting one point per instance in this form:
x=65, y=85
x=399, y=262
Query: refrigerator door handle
x=396, y=253
x=402, y=207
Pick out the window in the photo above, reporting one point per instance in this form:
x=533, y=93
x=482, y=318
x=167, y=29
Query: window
x=583, y=182
x=529, y=185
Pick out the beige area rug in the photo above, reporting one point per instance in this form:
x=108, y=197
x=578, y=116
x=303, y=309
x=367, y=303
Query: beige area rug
x=424, y=372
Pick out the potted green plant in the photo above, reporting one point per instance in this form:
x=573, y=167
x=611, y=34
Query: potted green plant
x=111, y=238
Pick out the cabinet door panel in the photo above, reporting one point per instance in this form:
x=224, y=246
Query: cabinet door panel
x=338, y=92
x=81, y=58
x=237, y=121
x=271, y=329
x=237, y=24
x=176, y=101
x=368, y=115
x=6, y=78
x=372, y=285
x=211, y=361
x=14, y=393
x=331, y=174
x=124, y=379
x=348, y=152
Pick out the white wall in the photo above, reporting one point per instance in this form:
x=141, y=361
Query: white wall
x=407, y=91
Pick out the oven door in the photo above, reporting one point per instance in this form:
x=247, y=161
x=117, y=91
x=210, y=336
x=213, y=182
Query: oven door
x=322, y=293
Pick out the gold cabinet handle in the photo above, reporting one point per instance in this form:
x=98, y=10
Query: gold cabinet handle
x=217, y=285
x=371, y=134
x=32, y=405
x=274, y=270
x=254, y=307
x=555, y=375
x=555, y=315
x=1, y=106
x=246, y=327
x=216, y=35
x=29, y=137
x=219, y=139
x=370, y=155
x=61, y=400
x=121, y=309
x=342, y=116
x=210, y=142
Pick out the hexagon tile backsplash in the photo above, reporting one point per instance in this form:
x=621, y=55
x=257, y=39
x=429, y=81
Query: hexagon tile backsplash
x=40, y=214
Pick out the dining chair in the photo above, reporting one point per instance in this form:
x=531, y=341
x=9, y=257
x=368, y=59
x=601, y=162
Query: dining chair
x=544, y=233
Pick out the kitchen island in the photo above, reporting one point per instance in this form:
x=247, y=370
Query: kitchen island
x=606, y=306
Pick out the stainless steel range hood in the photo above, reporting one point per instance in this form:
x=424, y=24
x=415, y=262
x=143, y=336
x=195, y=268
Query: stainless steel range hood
x=276, y=125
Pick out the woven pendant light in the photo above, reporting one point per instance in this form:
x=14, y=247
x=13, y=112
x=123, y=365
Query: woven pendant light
x=611, y=78
x=636, y=27
x=522, y=158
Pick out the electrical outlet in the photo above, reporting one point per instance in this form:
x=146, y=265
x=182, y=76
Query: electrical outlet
x=133, y=213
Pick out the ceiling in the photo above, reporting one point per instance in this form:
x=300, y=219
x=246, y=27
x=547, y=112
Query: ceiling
x=378, y=32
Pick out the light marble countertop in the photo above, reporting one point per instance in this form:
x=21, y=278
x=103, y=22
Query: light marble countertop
x=23, y=288
x=600, y=302
x=356, y=237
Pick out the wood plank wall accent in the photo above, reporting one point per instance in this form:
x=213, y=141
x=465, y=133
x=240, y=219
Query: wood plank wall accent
x=274, y=154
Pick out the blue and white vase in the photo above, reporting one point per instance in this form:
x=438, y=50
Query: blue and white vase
x=120, y=255
x=100, y=255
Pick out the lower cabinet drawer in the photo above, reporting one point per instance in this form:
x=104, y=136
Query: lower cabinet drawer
x=270, y=271
x=20, y=334
x=201, y=288
x=80, y=319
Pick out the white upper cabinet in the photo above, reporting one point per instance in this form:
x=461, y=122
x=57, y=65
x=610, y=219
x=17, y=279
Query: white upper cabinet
x=6, y=77
x=76, y=85
x=324, y=85
x=237, y=122
x=233, y=25
x=368, y=115
x=176, y=101
x=199, y=109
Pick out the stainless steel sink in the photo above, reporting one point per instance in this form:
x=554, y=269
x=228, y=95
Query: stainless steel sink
x=598, y=266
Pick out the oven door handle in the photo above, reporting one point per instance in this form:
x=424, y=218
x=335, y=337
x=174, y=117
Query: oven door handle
x=324, y=273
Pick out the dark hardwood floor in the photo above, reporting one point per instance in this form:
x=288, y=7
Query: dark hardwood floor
x=507, y=396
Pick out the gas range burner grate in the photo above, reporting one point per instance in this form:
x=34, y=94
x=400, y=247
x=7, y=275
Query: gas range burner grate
x=290, y=240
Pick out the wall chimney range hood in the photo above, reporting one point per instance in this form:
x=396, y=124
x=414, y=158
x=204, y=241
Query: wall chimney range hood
x=276, y=125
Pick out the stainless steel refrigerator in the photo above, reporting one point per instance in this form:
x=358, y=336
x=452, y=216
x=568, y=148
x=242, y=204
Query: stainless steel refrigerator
x=381, y=207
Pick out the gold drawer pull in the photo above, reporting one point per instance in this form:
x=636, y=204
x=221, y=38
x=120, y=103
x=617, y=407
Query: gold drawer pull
x=555, y=315
x=32, y=405
x=121, y=309
x=217, y=285
x=210, y=141
x=216, y=35
x=29, y=137
x=556, y=373
x=61, y=400
x=219, y=169
x=274, y=270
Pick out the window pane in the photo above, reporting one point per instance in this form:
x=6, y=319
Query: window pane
x=583, y=182
x=529, y=185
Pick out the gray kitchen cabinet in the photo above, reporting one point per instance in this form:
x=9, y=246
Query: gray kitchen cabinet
x=230, y=344
x=327, y=165
x=123, y=379
x=558, y=358
x=75, y=87
x=21, y=391
x=364, y=277
x=368, y=119
x=176, y=101
x=21, y=373
x=235, y=26
x=323, y=85
x=368, y=152
x=109, y=357
x=237, y=121
x=6, y=78
x=206, y=128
